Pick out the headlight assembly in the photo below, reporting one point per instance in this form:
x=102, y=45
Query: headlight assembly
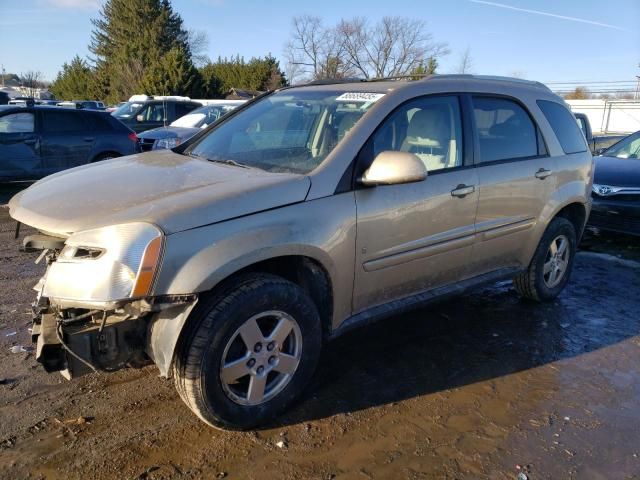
x=106, y=264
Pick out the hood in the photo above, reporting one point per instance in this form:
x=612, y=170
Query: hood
x=619, y=172
x=169, y=132
x=169, y=190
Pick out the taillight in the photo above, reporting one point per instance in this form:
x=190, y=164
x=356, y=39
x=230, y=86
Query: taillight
x=133, y=137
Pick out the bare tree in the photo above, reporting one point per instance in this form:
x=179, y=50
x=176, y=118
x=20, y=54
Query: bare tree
x=395, y=46
x=466, y=62
x=580, y=93
x=31, y=81
x=314, y=51
x=199, y=45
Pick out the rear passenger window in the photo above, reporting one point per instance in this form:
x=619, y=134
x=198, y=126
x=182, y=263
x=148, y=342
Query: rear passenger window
x=505, y=130
x=59, y=121
x=564, y=125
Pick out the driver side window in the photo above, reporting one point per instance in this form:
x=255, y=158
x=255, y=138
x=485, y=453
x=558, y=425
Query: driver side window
x=429, y=127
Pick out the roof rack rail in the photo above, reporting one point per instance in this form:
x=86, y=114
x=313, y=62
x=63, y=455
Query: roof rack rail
x=331, y=81
x=497, y=78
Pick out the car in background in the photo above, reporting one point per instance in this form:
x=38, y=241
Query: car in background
x=38, y=141
x=185, y=127
x=113, y=108
x=616, y=188
x=78, y=104
x=597, y=143
x=4, y=98
x=142, y=112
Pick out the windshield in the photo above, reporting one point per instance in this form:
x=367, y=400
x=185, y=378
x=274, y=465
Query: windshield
x=203, y=116
x=626, y=148
x=127, y=110
x=289, y=131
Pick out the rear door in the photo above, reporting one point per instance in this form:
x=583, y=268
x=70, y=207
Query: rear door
x=67, y=139
x=19, y=146
x=516, y=178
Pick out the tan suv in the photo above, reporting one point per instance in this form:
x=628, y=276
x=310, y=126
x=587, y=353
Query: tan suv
x=230, y=259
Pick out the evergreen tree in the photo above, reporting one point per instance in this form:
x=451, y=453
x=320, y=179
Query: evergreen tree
x=257, y=74
x=134, y=43
x=73, y=81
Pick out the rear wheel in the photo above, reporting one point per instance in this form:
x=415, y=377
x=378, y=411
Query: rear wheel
x=248, y=352
x=551, y=266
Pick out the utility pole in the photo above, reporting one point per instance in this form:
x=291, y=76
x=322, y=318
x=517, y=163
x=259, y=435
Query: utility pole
x=2, y=69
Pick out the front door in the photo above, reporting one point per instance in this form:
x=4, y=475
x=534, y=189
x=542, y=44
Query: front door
x=416, y=236
x=19, y=147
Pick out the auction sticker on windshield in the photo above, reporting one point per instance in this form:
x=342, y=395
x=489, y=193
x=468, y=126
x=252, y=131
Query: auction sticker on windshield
x=359, y=97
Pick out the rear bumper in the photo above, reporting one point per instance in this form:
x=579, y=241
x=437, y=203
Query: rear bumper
x=616, y=215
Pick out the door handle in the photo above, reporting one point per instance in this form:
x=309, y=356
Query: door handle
x=462, y=190
x=88, y=139
x=543, y=173
x=30, y=141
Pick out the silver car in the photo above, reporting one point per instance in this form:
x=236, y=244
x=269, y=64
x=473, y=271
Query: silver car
x=229, y=260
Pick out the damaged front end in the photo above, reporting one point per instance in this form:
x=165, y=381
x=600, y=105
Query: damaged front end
x=96, y=307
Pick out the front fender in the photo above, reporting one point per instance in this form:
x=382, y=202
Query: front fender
x=199, y=259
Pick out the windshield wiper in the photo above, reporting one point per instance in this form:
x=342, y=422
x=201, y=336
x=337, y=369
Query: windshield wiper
x=228, y=162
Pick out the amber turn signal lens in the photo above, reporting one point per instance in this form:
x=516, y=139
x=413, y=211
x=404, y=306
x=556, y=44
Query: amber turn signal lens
x=147, y=268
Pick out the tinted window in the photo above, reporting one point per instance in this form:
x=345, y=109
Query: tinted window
x=184, y=108
x=59, y=121
x=505, y=130
x=429, y=128
x=101, y=122
x=564, y=125
x=17, y=123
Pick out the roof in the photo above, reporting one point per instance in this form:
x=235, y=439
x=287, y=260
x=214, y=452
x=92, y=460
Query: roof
x=394, y=83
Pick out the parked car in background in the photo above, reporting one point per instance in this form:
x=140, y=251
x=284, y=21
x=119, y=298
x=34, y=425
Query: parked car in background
x=78, y=104
x=597, y=143
x=230, y=259
x=185, y=127
x=38, y=141
x=616, y=188
x=142, y=113
x=113, y=108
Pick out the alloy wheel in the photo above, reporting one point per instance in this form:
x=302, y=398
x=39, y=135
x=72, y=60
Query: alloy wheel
x=261, y=358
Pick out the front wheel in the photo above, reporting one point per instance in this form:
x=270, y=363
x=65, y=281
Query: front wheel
x=551, y=266
x=248, y=352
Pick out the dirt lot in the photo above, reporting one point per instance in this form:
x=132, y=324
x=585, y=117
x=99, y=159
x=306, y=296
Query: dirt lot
x=471, y=388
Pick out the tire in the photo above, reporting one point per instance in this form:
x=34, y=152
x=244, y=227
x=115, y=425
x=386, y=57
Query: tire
x=105, y=156
x=215, y=336
x=535, y=283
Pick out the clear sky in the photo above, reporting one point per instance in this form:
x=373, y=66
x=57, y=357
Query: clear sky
x=546, y=40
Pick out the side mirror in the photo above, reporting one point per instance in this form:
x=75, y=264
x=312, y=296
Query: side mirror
x=393, y=168
x=139, y=118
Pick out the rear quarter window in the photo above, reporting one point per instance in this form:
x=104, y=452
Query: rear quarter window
x=101, y=123
x=564, y=126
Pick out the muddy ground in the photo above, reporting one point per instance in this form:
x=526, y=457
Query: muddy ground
x=470, y=388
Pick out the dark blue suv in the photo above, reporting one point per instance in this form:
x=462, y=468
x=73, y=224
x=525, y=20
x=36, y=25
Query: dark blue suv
x=38, y=141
